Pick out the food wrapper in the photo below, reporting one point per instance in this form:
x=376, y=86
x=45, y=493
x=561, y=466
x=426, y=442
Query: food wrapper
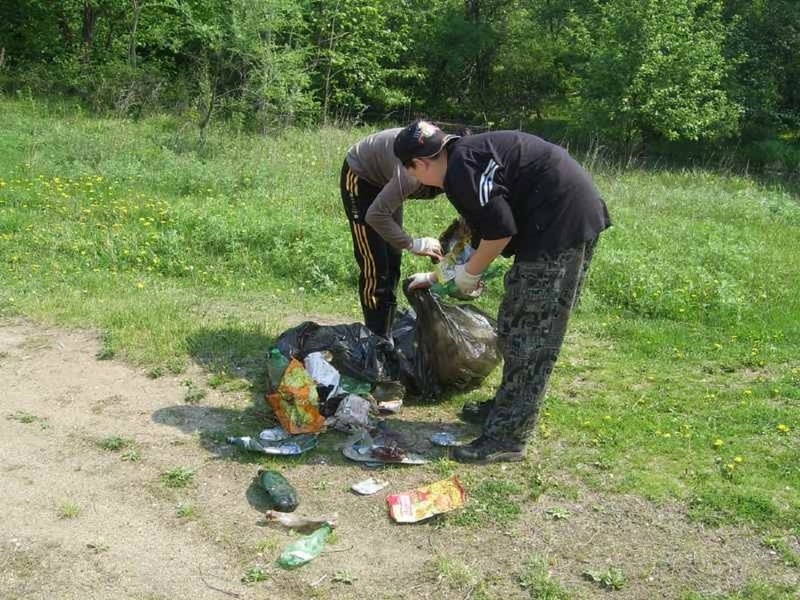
x=422, y=503
x=296, y=403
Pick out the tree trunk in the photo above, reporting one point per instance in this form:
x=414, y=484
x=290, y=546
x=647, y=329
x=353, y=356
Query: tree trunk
x=137, y=10
x=90, y=14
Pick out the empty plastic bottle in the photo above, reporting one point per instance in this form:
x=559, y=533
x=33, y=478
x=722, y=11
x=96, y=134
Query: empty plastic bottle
x=281, y=493
x=305, y=549
x=276, y=367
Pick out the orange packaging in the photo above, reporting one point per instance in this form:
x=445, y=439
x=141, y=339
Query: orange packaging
x=295, y=402
x=421, y=503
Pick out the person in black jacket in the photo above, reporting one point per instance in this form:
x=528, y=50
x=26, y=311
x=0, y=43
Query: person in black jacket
x=525, y=197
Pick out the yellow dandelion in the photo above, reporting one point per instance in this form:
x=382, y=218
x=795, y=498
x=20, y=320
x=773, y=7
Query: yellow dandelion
x=718, y=443
x=738, y=459
x=783, y=428
x=139, y=285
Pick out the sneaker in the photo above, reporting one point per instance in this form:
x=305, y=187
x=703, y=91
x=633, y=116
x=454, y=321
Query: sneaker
x=488, y=450
x=476, y=412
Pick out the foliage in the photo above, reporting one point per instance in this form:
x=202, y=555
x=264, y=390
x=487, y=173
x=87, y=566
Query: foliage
x=654, y=68
x=638, y=73
x=354, y=48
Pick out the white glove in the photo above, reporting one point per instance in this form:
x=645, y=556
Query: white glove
x=426, y=246
x=467, y=283
x=422, y=280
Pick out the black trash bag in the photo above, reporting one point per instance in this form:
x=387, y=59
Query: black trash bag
x=456, y=343
x=356, y=351
x=406, y=362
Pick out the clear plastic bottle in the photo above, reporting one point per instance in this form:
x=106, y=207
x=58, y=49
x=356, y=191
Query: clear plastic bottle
x=305, y=549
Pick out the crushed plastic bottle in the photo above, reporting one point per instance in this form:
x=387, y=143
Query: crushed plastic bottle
x=281, y=493
x=305, y=549
x=291, y=446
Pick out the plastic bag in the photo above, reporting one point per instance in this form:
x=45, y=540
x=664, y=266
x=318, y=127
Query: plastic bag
x=322, y=372
x=352, y=414
x=456, y=343
x=296, y=403
x=355, y=350
x=455, y=241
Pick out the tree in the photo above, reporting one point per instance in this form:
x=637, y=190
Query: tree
x=654, y=69
x=355, y=50
x=766, y=37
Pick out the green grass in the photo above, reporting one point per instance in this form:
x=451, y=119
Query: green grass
x=178, y=477
x=679, y=380
x=114, y=443
x=751, y=591
x=68, y=510
x=537, y=580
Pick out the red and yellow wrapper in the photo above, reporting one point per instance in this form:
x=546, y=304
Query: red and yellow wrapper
x=422, y=503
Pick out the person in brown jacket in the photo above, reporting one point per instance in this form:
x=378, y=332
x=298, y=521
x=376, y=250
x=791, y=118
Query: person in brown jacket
x=374, y=186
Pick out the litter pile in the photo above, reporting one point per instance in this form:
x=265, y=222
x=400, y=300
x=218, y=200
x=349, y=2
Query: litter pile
x=343, y=377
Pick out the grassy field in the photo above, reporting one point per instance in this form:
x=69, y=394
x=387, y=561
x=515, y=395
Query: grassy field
x=679, y=381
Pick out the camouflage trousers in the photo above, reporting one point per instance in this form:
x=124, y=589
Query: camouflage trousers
x=539, y=298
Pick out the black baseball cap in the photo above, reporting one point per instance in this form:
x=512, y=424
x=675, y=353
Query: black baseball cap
x=421, y=139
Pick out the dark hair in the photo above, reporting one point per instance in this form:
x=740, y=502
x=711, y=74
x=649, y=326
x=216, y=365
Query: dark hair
x=420, y=139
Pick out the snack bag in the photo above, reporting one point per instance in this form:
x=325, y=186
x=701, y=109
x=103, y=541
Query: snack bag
x=421, y=503
x=296, y=403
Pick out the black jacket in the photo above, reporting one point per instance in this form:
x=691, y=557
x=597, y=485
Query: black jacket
x=514, y=184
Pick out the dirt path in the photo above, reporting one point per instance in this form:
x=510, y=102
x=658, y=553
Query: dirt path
x=79, y=522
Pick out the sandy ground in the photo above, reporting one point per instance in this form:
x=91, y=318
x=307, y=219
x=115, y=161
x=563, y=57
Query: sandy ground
x=78, y=521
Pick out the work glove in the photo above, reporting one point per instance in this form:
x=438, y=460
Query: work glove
x=426, y=246
x=468, y=284
x=422, y=280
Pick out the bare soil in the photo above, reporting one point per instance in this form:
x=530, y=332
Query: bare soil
x=79, y=522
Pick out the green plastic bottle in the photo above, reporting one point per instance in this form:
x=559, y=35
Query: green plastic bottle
x=281, y=493
x=305, y=549
x=276, y=367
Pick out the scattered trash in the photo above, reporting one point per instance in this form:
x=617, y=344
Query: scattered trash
x=305, y=549
x=355, y=350
x=389, y=396
x=422, y=503
x=293, y=521
x=352, y=414
x=274, y=434
x=444, y=438
x=322, y=372
x=390, y=406
x=369, y=486
x=354, y=386
x=281, y=493
x=363, y=448
x=296, y=402
x=386, y=391
x=291, y=446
